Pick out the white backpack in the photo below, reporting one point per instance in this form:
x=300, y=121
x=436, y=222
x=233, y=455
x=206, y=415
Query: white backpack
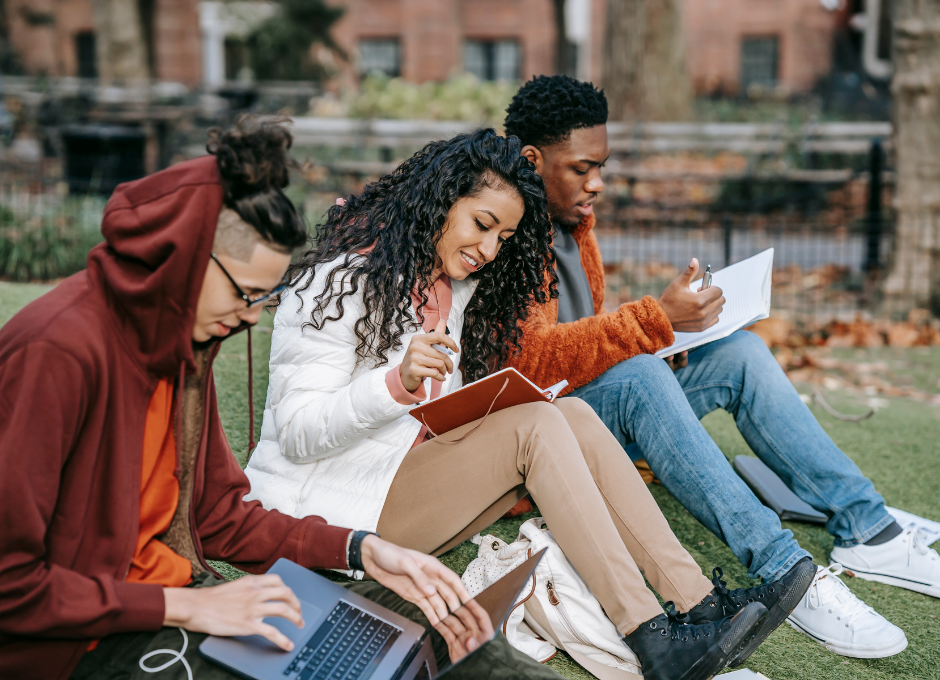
x=556, y=610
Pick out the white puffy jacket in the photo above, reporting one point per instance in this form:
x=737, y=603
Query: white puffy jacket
x=332, y=436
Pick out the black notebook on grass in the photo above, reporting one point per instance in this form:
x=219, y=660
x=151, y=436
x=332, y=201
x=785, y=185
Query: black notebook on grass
x=773, y=493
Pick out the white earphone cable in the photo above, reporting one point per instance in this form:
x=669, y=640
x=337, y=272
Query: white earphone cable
x=177, y=657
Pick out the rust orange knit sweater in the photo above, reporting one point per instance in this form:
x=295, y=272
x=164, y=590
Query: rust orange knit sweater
x=581, y=350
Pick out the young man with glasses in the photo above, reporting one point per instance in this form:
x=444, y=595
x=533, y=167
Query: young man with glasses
x=116, y=481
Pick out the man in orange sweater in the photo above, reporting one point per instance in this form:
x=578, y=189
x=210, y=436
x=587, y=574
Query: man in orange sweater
x=653, y=406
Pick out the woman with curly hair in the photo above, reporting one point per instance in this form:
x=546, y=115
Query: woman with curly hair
x=448, y=252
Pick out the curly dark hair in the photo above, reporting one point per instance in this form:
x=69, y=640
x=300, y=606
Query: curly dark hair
x=547, y=108
x=255, y=168
x=389, y=235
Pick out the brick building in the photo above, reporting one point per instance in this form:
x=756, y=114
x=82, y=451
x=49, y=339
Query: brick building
x=423, y=40
x=57, y=37
x=732, y=44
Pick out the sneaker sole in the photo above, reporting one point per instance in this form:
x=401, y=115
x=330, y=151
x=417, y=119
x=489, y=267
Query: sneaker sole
x=777, y=614
x=916, y=586
x=733, y=636
x=854, y=652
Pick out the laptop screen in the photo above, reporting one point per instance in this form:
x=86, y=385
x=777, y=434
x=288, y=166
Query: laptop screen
x=483, y=616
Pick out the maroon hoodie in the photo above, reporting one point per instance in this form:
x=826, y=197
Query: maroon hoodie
x=77, y=369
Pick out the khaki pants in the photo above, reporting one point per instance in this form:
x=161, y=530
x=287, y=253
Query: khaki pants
x=591, y=496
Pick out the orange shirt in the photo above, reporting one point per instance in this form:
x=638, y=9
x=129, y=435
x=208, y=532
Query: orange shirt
x=153, y=561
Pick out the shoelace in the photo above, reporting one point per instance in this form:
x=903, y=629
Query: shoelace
x=684, y=631
x=828, y=591
x=919, y=543
x=739, y=596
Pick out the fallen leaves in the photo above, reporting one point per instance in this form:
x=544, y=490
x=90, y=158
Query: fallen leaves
x=920, y=329
x=805, y=354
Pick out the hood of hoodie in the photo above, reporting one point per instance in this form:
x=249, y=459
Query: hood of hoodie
x=158, y=236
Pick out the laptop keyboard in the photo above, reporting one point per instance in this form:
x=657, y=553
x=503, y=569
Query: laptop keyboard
x=348, y=645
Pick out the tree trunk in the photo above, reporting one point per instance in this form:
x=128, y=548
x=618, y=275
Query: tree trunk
x=914, y=277
x=120, y=42
x=562, y=46
x=645, y=74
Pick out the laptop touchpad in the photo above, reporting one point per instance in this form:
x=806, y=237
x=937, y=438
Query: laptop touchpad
x=312, y=615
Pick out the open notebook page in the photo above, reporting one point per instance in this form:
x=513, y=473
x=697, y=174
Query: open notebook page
x=746, y=286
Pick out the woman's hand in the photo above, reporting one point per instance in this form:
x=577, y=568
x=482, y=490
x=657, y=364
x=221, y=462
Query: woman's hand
x=424, y=581
x=235, y=608
x=423, y=361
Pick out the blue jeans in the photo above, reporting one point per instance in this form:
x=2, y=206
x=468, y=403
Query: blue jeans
x=655, y=413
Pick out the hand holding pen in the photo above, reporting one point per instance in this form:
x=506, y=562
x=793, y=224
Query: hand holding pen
x=706, y=279
x=692, y=311
x=428, y=356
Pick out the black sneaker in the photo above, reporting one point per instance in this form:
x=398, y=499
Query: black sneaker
x=668, y=647
x=780, y=597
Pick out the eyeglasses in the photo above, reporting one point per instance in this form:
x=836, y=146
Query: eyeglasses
x=249, y=300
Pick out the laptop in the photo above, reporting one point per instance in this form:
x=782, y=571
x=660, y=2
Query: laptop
x=347, y=637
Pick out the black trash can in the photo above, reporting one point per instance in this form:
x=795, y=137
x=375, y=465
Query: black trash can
x=99, y=157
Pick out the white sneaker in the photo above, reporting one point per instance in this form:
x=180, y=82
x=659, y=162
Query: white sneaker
x=831, y=615
x=905, y=561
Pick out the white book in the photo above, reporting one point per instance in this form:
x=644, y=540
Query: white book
x=746, y=286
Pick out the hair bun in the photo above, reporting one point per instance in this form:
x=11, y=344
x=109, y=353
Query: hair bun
x=252, y=155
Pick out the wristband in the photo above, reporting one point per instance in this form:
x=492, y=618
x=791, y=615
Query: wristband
x=354, y=551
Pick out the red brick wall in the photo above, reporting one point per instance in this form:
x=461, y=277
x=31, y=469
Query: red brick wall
x=432, y=31
x=49, y=49
x=177, y=41
x=715, y=28
x=531, y=22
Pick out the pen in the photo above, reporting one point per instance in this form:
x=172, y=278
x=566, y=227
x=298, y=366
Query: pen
x=446, y=350
x=707, y=280
x=440, y=348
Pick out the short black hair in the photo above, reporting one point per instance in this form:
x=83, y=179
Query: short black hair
x=547, y=108
x=255, y=167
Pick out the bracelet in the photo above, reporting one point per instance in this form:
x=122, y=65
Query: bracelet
x=354, y=551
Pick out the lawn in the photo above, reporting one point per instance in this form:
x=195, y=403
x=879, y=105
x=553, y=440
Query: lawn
x=897, y=448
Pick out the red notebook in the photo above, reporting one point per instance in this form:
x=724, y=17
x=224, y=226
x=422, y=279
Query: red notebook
x=495, y=392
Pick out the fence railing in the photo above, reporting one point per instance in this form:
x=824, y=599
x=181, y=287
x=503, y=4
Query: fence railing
x=829, y=262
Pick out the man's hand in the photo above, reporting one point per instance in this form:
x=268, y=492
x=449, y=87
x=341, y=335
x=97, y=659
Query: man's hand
x=465, y=630
x=677, y=361
x=423, y=361
x=235, y=608
x=424, y=581
x=688, y=311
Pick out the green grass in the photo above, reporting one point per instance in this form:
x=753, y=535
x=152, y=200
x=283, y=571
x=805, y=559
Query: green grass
x=897, y=448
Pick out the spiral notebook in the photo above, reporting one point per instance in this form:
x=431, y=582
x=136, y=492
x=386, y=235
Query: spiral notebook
x=495, y=392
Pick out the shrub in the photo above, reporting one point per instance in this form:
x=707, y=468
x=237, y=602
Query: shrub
x=47, y=244
x=462, y=97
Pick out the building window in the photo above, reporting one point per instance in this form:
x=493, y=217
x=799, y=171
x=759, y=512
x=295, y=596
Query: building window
x=85, y=54
x=383, y=56
x=492, y=59
x=759, y=61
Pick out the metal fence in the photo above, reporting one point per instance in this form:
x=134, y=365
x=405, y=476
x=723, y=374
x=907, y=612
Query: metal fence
x=816, y=193
x=821, y=272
